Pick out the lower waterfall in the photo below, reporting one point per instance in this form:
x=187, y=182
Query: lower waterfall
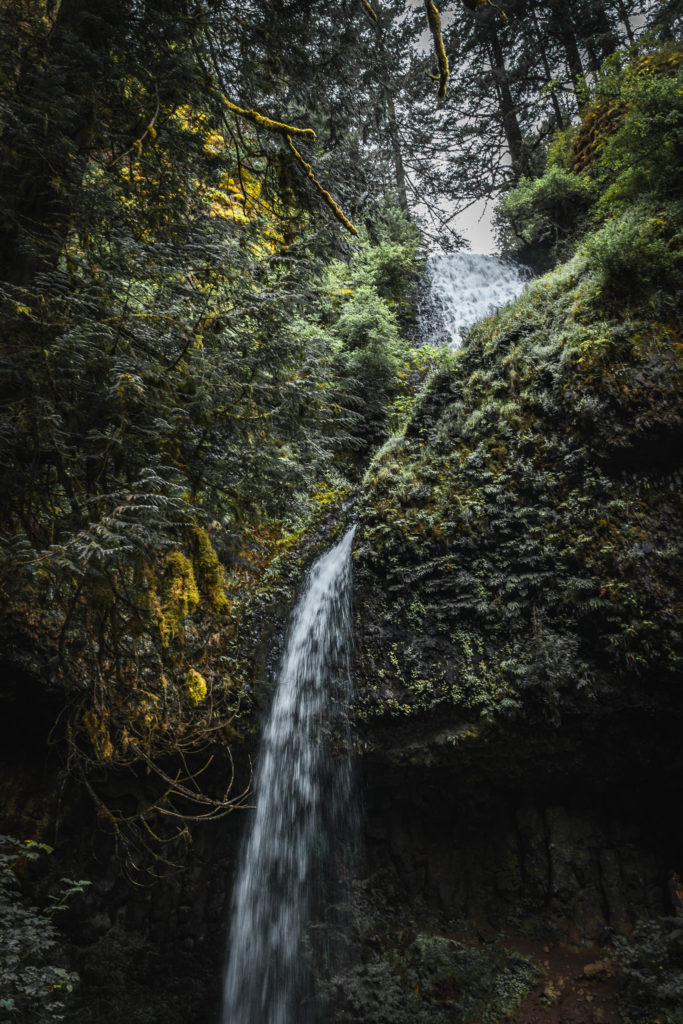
x=303, y=806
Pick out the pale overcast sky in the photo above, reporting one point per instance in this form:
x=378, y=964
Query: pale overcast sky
x=475, y=226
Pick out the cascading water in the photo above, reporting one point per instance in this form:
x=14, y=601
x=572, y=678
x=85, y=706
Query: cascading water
x=464, y=288
x=303, y=798
x=303, y=792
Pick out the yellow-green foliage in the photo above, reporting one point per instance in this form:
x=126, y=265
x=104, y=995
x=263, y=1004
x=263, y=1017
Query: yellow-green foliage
x=209, y=569
x=174, y=593
x=642, y=88
x=195, y=686
x=179, y=594
x=98, y=734
x=561, y=149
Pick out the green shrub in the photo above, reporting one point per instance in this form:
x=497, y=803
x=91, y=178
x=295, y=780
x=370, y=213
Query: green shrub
x=435, y=980
x=635, y=252
x=627, y=149
x=653, y=975
x=33, y=979
x=540, y=217
x=363, y=310
x=643, y=155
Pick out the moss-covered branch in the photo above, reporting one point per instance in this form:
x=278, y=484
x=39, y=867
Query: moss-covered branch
x=266, y=122
x=339, y=213
x=371, y=14
x=434, y=20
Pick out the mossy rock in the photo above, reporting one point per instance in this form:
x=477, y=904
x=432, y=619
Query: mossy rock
x=518, y=555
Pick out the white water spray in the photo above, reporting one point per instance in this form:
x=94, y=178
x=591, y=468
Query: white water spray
x=465, y=288
x=303, y=797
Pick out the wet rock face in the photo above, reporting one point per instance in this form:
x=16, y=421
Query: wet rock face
x=518, y=551
x=518, y=631
x=549, y=871
x=561, y=835
x=487, y=906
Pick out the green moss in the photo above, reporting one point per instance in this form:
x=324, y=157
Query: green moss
x=195, y=686
x=178, y=594
x=97, y=730
x=519, y=542
x=209, y=569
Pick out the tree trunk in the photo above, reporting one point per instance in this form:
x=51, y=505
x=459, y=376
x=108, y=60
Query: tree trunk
x=392, y=125
x=546, y=69
x=625, y=20
x=506, y=103
x=607, y=38
x=395, y=139
x=564, y=30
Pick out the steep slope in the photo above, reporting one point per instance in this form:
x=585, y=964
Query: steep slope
x=520, y=542
x=519, y=615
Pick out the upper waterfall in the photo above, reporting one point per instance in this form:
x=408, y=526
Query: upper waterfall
x=464, y=288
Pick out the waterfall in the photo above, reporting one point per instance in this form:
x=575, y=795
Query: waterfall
x=303, y=803
x=464, y=288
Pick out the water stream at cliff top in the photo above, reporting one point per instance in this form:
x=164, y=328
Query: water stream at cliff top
x=303, y=796
x=464, y=288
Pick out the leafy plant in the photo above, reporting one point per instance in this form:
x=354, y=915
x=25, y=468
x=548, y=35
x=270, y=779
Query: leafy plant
x=626, y=149
x=635, y=252
x=651, y=963
x=540, y=216
x=34, y=981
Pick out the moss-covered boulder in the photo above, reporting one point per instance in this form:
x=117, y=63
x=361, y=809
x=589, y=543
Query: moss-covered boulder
x=519, y=551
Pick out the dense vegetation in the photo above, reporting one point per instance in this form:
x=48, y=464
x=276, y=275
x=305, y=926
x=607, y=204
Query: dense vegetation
x=188, y=370
x=519, y=558
x=213, y=231
x=528, y=514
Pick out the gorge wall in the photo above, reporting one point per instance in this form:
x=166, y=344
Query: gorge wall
x=517, y=665
x=517, y=614
x=518, y=626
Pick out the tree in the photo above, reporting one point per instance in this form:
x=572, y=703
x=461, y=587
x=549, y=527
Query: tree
x=177, y=177
x=166, y=184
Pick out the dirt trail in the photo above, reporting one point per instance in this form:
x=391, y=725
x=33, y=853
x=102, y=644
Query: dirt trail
x=579, y=987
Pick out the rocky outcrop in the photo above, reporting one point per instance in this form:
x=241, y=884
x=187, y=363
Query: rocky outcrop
x=519, y=632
